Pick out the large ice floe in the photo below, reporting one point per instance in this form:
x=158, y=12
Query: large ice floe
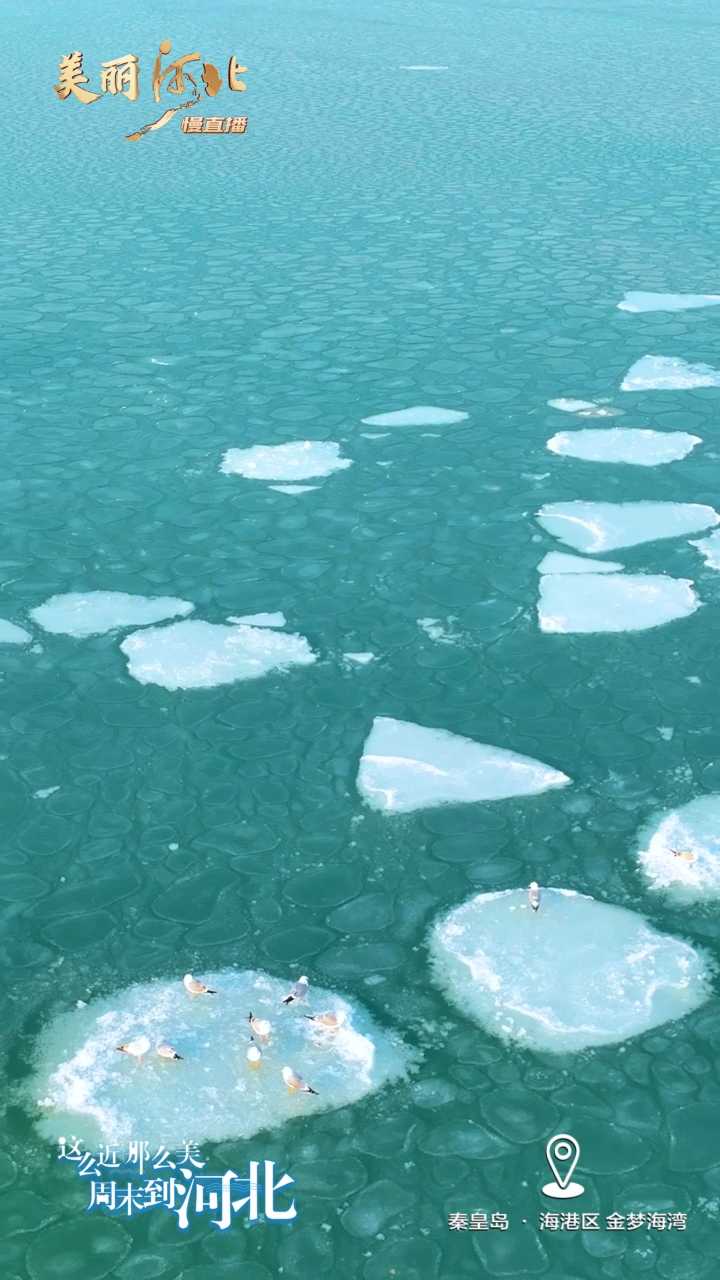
x=634, y=445
x=591, y=602
x=420, y=415
x=299, y=460
x=639, y=301
x=602, y=526
x=710, y=549
x=85, y=1087
x=11, y=633
x=575, y=973
x=200, y=655
x=407, y=766
x=561, y=562
x=668, y=373
x=91, y=613
x=680, y=851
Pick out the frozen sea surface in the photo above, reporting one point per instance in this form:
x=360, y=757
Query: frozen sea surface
x=639, y=301
x=11, y=633
x=201, y=655
x=680, y=852
x=420, y=415
x=576, y=973
x=300, y=460
x=668, y=373
x=407, y=766
x=91, y=613
x=86, y=1087
x=560, y=562
x=602, y=526
x=710, y=549
x=623, y=602
x=634, y=445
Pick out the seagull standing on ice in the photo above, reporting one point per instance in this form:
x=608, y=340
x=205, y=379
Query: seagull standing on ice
x=328, y=1021
x=260, y=1027
x=195, y=987
x=295, y=1083
x=299, y=991
x=534, y=895
x=254, y=1054
x=166, y=1050
x=136, y=1048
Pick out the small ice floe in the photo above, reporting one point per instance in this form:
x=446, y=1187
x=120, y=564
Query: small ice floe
x=435, y=630
x=407, y=766
x=602, y=526
x=293, y=488
x=576, y=973
x=633, y=445
x=561, y=562
x=639, y=301
x=92, y=613
x=260, y=620
x=421, y=66
x=214, y=1094
x=679, y=853
x=710, y=549
x=44, y=793
x=420, y=415
x=299, y=460
x=668, y=373
x=586, y=408
x=592, y=602
x=11, y=633
x=359, y=659
x=202, y=655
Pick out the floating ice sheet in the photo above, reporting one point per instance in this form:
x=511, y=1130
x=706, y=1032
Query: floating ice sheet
x=668, y=373
x=300, y=460
x=91, y=613
x=586, y=408
x=634, y=445
x=87, y=1088
x=11, y=633
x=420, y=415
x=576, y=973
x=423, y=67
x=640, y=301
x=293, y=488
x=710, y=549
x=601, y=526
x=361, y=659
x=407, y=766
x=591, y=602
x=560, y=562
x=680, y=853
x=261, y=619
x=200, y=655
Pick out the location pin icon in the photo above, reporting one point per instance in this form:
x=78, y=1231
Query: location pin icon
x=562, y=1153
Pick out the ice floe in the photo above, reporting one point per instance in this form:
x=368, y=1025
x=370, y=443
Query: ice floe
x=435, y=630
x=710, y=549
x=261, y=619
x=408, y=766
x=635, y=445
x=361, y=659
x=201, y=655
x=591, y=602
x=11, y=633
x=639, y=301
x=87, y=1088
x=560, y=562
x=602, y=526
x=91, y=613
x=668, y=373
x=575, y=973
x=299, y=460
x=586, y=408
x=680, y=852
x=421, y=66
x=420, y=415
x=293, y=488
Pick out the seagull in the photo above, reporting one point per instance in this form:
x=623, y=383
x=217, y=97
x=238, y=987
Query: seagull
x=328, y=1021
x=534, y=895
x=194, y=987
x=165, y=1050
x=136, y=1048
x=686, y=854
x=253, y=1055
x=299, y=991
x=260, y=1027
x=295, y=1083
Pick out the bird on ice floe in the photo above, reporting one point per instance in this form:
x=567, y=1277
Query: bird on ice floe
x=687, y=855
x=328, y=1021
x=254, y=1054
x=298, y=992
x=195, y=987
x=260, y=1027
x=534, y=895
x=166, y=1050
x=295, y=1083
x=136, y=1048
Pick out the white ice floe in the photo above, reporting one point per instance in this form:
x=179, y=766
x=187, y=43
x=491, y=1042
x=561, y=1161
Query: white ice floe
x=421, y=66
x=261, y=619
x=200, y=655
x=407, y=766
x=293, y=488
x=586, y=408
x=591, y=602
x=91, y=613
x=634, y=445
x=91, y=1090
x=361, y=659
x=420, y=415
x=435, y=630
x=668, y=373
x=602, y=526
x=680, y=852
x=710, y=549
x=639, y=301
x=561, y=562
x=11, y=633
x=575, y=973
x=300, y=460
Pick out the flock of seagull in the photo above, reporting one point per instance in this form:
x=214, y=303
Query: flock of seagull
x=260, y=1031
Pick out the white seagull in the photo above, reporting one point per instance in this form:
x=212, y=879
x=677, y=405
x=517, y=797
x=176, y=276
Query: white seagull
x=534, y=895
x=253, y=1055
x=166, y=1050
x=136, y=1048
x=328, y=1021
x=260, y=1027
x=295, y=1083
x=195, y=987
x=298, y=992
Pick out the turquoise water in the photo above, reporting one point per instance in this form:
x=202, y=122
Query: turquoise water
x=379, y=238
